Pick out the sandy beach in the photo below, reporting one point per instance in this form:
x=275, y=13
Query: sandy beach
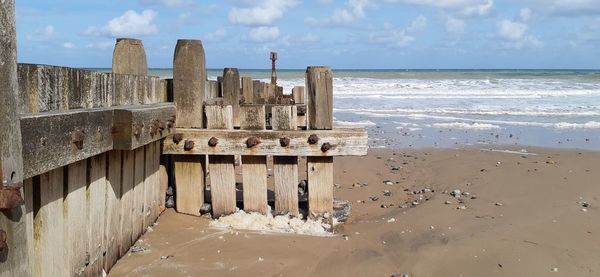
x=519, y=213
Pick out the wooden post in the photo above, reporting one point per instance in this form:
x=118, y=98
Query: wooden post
x=231, y=92
x=285, y=168
x=247, y=90
x=221, y=167
x=189, y=75
x=96, y=192
x=254, y=168
x=299, y=96
x=319, y=86
x=75, y=218
x=257, y=92
x=15, y=261
x=129, y=57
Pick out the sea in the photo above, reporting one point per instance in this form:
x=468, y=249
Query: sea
x=460, y=108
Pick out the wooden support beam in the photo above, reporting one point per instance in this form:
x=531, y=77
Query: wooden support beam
x=136, y=126
x=285, y=168
x=254, y=168
x=319, y=86
x=221, y=167
x=342, y=142
x=55, y=139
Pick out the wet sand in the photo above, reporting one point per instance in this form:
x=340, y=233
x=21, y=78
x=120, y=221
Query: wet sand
x=523, y=215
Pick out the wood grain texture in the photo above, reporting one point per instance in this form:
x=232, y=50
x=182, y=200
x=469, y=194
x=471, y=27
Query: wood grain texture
x=247, y=90
x=298, y=94
x=156, y=192
x=96, y=192
x=48, y=227
x=319, y=90
x=219, y=117
x=284, y=118
x=129, y=57
x=165, y=166
x=127, y=202
x=285, y=168
x=189, y=77
x=75, y=218
x=135, y=126
x=257, y=92
x=254, y=168
x=112, y=232
x=344, y=142
x=252, y=117
x=221, y=167
x=231, y=92
x=320, y=186
x=138, y=194
x=149, y=185
x=28, y=197
x=189, y=180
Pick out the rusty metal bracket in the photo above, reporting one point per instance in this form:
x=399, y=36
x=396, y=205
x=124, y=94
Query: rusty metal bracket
x=10, y=196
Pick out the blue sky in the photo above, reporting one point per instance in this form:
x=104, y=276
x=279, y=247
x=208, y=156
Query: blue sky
x=392, y=34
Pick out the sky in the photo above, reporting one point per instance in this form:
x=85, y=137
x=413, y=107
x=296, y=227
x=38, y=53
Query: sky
x=349, y=34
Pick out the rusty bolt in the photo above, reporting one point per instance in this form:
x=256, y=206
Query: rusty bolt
x=301, y=109
x=252, y=141
x=137, y=130
x=3, y=244
x=325, y=147
x=313, y=139
x=188, y=145
x=177, y=138
x=212, y=142
x=10, y=196
x=77, y=137
x=284, y=141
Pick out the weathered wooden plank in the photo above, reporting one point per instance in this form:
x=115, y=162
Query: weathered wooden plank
x=127, y=200
x=212, y=89
x=165, y=165
x=28, y=197
x=15, y=261
x=189, y=76
x=48, y=226
x=319, y=89
x=158, y=192
x=221, y=167
x=320, y=186
x=254, y=168
x=96, y=195
x=149, y=185
x=129, y=57
x=257, y=92
x=231, y=92
x=55, y=139
x=138, y=194
x=247, y=90
x=113, y=209
x=75, y=218
x=189, y=177
x=285, y=168
x=136, y=126
x=298, y=94
x=342, y=142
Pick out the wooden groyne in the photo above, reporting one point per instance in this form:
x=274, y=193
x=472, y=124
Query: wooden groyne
x=86, y=157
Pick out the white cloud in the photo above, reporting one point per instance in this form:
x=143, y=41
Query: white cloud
x=46, y=34
x=68, y=45
x=308, y=39
x=263, y=34
x=525, y=14
x=398, y=37
x=101, y=45
x=574, y=7
x=482, y=9
x=515, y=35
x=130, y=23
x=455, y=26
x=263, y=12
x=354, y=10
x=167, y=3
x=215, y=36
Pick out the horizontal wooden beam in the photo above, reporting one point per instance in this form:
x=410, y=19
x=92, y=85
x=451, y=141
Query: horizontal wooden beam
x=325, y=143
x=137, y=126
x=55, y=139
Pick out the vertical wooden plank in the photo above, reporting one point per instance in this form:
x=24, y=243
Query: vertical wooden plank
x=127, y=200
x=149, y=185
x=138, y=194
x=96, y=193
x=298, y=94
x=28, y=197
x=231, y=92
x=319, y=86
x=257, y=92
x=189, y=75
x=247, y=90
x=16, y=260
x=254, y=168
x=75, y=218
x=285, y=168
x=113, y=209
x=159, y=192
x=221, y=167
x=48, y=231
x=129, y=57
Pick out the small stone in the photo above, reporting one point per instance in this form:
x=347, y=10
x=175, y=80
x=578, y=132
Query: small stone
x=447, y=202
x=170, y=191
x=205, y=208
x=337, y=186
x=387, y=193
x=554, y=269
x=498, y=204
x=461, y=207
x=456, y=193
x=388, y=182
x=584, y=210
x=426, y=190
x=585, y=205
x=383, y=206
x=166, y=257
x=374, y=198
x=466, y=193
x=345, y=237
x=260, y=259
x=414, y=203
x=137, y=248
x=170, y=203
x=391, y=220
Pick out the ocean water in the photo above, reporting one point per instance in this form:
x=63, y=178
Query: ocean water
x=454, y=108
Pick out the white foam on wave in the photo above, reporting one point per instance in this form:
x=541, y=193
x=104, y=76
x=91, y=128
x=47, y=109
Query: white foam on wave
x=492, y=111
x=362, y=123
x=466, y=126
x=587, y=125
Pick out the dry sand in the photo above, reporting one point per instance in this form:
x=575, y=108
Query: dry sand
x=527, y=219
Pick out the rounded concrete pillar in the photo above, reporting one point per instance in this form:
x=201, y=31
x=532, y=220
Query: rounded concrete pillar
x=129, y=57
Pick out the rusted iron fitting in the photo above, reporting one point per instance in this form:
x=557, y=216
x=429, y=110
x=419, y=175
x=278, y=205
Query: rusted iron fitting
x=252, y=141
x=3, y=245
x=284, y=141
x=137, y=130
x=77, y=137
x=325, y=147
x=10, y=196
x=313, y=139
x=301, y=109
x=188, y=145
x=171, y=122
x=212, y=142
x=177, y=138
